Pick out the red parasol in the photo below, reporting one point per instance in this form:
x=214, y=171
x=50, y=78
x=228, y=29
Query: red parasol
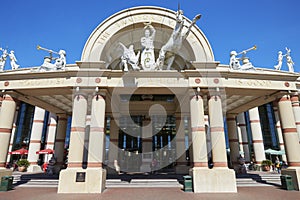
x=45, y=151
x=19, y=151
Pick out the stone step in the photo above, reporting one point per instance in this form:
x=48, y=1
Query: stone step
x=241, y=181
x=117, y=183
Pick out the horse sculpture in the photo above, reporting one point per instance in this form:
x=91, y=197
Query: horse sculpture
x=172, y=47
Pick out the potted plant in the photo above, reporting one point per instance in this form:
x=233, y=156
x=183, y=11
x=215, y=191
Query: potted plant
x=266, y=165
x=22, y=165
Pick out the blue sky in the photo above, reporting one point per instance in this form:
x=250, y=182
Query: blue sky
x=228, y=25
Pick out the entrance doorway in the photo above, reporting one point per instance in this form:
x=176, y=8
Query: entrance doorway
x=133, y=154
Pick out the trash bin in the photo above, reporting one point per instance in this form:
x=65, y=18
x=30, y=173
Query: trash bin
x=286, y=182
x=188, y=185
x=6, y=183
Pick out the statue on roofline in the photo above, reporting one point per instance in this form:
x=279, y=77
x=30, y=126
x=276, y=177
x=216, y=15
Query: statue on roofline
x=12, y=57
x=289, y=60
x=235, y=62
x=13, y=60
x=129, y=58
x=3, y=58
x=59, y=64
x=166, y=57
x=147, y=42
x=171, y=48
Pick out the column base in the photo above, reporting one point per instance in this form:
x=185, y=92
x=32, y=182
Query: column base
x=217, y=180
x=34, y=168
x=294, y=172
x=70, y=182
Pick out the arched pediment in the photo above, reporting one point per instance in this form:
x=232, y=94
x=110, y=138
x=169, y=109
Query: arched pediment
x=127, y=26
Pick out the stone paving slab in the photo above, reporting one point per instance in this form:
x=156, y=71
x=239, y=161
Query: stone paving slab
x=244, y=193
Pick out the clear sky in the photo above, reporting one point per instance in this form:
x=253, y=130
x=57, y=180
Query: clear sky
x=228, y=25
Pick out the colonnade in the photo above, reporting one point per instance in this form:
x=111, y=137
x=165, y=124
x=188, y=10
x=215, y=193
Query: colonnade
x=92, y=178
x=287, y=124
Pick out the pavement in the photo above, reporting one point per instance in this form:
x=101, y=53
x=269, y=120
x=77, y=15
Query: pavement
x=254, y=185
x=244, y=193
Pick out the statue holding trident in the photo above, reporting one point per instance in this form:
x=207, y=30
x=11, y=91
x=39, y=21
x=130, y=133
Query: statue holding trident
x=147, y=56
x=172, y=47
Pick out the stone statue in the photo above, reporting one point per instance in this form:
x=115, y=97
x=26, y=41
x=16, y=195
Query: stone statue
x=60, y=62
x=172, y=47
x=247, y=65
x=280, y=58
x=13, y=60
x=289, y=60
x=147, y=56
x=129, y=57
x=234, y=62
x=3, y=59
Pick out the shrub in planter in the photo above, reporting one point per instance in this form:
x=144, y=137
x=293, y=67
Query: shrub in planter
x=266, y=165
x=22, y=164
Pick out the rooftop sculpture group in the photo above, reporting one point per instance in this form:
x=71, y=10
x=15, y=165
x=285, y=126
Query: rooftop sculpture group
x=12, y=57
x=289, y=60
x=235, y=62
x=167, y=52
x=59, y=64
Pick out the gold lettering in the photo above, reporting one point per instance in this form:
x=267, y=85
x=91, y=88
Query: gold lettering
x=103, y=37
x=256, y=83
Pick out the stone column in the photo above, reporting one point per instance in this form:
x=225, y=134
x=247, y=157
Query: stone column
x=113, y=139
x=233, y=140
x=279, y=131
x=198, y=132
x=59, y=146
x=97, y=135
x=181, y=167
x=291, y=140
x=257, y=138
x=51, y=132
x=67, y=178
x=244, y=135
x=96, y=147
x=200, y=171
x=7, y=113
x=296, y=111
x=35, y=139
x=12, y=137
x=220, y=178
x=217, y=131
x=77, y=132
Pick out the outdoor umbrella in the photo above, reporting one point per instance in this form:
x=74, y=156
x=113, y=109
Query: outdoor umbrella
x=21, y=152
x=45, y=151
x=274, y=152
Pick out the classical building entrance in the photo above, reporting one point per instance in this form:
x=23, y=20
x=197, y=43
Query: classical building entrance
x=148, y=95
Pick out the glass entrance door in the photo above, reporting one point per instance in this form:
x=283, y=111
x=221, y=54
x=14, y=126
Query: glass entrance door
x=163, y=145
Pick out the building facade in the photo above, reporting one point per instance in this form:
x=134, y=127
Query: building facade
x=148, y=89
